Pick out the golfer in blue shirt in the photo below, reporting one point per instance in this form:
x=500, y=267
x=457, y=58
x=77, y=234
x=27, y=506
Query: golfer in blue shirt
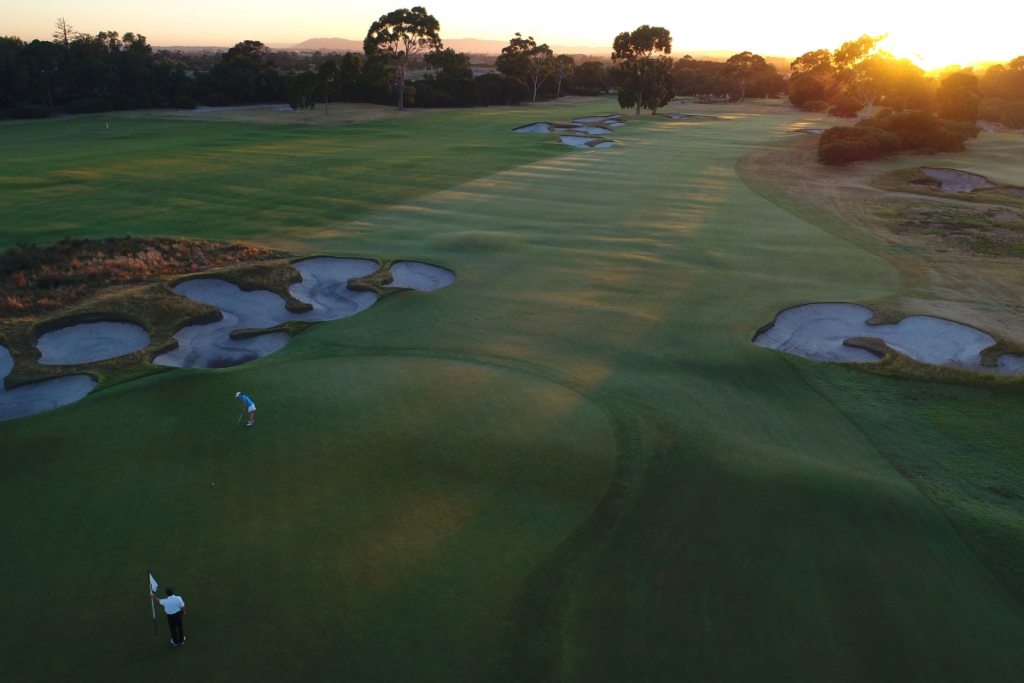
x=249, y=406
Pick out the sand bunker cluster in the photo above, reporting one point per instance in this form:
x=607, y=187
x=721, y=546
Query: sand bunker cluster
x=819, y=332
x=324, y=286
x=579, y=130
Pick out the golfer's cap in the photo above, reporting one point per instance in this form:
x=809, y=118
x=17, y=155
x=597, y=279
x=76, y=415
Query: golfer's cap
x=237, y=394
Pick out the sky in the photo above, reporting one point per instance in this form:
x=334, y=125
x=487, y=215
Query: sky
x=787, y=29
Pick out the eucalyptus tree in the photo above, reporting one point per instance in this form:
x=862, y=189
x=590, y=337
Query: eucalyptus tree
x=400, y=35
x=524, y=58
x=864, y=69
x=642, y=61
x=565, y=67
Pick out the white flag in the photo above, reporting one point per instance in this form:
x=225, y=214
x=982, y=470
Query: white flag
x=153, y=585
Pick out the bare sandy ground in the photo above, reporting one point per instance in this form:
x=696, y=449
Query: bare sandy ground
x=324, y=285
x=41, y=396
x=817, y=331
x=89, y=342
x=420, y=276
x=957, y=181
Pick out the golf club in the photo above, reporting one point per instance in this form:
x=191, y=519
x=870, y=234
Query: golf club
x=240, y=419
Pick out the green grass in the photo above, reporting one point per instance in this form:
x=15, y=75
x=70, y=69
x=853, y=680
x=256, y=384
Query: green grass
x=570, y=465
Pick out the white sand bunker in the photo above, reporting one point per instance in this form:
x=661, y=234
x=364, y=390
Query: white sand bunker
x=817, y=331
x=591, y=130
x=958, y=181
x=578, y=141
x=808, y=131
x=421, y=276
x=615, y=124
x=89, y=342
x=534, y=128
x=595, y=119
x=41, y=396
x=324, y=285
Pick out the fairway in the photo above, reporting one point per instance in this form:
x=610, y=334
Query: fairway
x=571, y=464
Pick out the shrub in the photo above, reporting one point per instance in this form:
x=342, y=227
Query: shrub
x=28, y=111
x=847, y=108
x=883, y=112
x=1013, y=117
x=591, y=92
x=216, y=99
x=838, y=153
x=906, y=131
x=804, y=88
x=815, y=105
x=920, y=132
x=98, y=106
x=843, y=144
x=992, y=110
x=183, y=102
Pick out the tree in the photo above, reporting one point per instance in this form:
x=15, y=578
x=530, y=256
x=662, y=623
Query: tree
x=1017, y=63
x=958, y=97
x=565, y=67
x=253, y=49
x=524, y=58
x=743, y=69
x=327, y=83
x=590, y=75
x=302, y=90
x=864, y=69
x=641, y=58
x=448, y=63
x=401, y=35
x=64, y=33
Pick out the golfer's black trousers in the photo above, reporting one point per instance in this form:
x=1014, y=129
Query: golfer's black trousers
x=177, y=628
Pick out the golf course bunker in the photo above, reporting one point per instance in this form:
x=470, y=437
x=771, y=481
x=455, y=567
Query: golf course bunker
x=595, y=119
x=957, y=181
x=324, y=285
x=534, y=128
x=817, y=331
x=420, y=276
x=41, y=396
x=89, y=342
x=579, y=141
x=590, y=130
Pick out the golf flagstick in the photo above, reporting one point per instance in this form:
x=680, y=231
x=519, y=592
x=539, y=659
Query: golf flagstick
x=152, y=589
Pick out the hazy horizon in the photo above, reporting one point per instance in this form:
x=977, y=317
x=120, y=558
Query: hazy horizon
x=926, y=38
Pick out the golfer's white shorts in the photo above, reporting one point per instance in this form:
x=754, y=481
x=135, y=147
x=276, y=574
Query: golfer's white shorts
x=252, y=408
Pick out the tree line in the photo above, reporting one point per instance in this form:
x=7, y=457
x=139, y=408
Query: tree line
x=82, y=73
x=860, y=75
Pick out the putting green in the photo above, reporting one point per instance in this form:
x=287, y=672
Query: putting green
x=428, y=493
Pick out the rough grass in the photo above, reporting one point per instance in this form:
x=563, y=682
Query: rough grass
x=915, y=180
x=958, y=445
x=37, y=279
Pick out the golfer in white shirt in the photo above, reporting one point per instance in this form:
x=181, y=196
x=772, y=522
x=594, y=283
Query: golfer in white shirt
x=175, y=608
